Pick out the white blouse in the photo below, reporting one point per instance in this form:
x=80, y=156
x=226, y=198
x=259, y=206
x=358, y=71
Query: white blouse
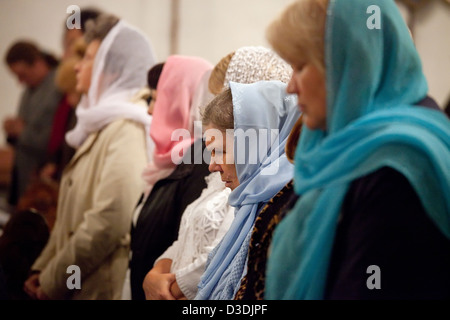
x=203, y=224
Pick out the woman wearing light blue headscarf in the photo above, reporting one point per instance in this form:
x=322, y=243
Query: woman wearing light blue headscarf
x=372, y=166
x=261, y=116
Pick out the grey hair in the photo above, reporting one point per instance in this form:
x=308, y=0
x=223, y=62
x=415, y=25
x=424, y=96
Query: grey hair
x=97, y=29
x=219, y=112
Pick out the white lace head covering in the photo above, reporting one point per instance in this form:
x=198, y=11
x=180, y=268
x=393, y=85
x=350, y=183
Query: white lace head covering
x=256, y=63
x=119, y=72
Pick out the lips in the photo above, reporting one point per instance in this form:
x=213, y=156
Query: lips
x=227, y=182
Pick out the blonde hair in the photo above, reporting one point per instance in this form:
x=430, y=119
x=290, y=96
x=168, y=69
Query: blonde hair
x=217, y=77
x=298, y=34
x=79, y=48
x=65, y=77
x=292, y=140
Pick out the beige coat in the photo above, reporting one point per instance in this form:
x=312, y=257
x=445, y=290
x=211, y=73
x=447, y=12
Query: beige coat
x=99, y=189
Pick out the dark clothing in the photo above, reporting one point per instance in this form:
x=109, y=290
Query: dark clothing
x=383, y=223
x=59, y=152
x=159, y=220
x=37, y=108
x=447, y=108
x=24, y=236
x=429, y=102
x=253, y=284
x=3, y=289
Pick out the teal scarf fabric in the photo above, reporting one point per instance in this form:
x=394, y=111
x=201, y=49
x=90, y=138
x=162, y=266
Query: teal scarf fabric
x=373, y=77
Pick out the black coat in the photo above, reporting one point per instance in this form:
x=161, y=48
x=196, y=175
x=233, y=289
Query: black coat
x=24, y=236
x=383, y=223
x=159, y=220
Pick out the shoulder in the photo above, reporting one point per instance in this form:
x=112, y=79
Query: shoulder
x=383, y=223
x=124, y=138
x=381, y=200
x=123, y=129
x=383, y=184
x=124, y=124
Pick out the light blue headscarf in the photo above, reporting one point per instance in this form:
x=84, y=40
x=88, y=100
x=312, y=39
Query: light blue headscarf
x=262, y=106
x=373, y=77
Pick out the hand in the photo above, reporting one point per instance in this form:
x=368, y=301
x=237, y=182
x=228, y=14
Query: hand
x=176, y=291
x=32, y=285
x=41, y=295
x=156, y=285
x=13, y=126
x=47, y=172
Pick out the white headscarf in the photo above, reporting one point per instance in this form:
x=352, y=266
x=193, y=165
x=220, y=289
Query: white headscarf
x=119, y=72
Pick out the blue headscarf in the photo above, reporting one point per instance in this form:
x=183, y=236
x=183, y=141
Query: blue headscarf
x=373, y=77
x=266, y=107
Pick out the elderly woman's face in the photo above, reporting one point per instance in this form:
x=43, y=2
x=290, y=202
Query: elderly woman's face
x=84, y=67
x=221, y=147
x=309, y=85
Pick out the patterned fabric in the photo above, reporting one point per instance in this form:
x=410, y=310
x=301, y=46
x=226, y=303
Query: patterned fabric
x=253, y=284
x=253, y=64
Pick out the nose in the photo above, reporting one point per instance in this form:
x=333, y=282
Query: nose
x=77, y=67
x=213, y=166
x=151, y=107
x=291, y=87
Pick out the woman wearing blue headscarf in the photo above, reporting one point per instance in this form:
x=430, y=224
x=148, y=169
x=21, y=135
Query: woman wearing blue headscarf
x=246, y=129
x=372, y=165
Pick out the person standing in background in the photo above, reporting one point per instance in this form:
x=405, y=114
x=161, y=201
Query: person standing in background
x=29, y=130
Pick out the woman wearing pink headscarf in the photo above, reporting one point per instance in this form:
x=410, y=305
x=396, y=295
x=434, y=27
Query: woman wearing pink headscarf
x=172, y=178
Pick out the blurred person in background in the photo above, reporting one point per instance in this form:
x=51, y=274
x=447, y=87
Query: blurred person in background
x=29, y=131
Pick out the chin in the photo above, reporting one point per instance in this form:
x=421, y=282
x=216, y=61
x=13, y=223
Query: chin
x=312, y=125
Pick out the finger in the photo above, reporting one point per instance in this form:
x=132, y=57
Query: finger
x=41, y=295
x=29, y=292
x=168, y=296
x=171, y=277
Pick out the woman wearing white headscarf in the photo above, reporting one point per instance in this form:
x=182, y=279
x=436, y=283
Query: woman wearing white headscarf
x=101, y=184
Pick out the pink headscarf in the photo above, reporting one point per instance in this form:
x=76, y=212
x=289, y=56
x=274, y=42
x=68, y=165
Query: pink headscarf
x=177, y=85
